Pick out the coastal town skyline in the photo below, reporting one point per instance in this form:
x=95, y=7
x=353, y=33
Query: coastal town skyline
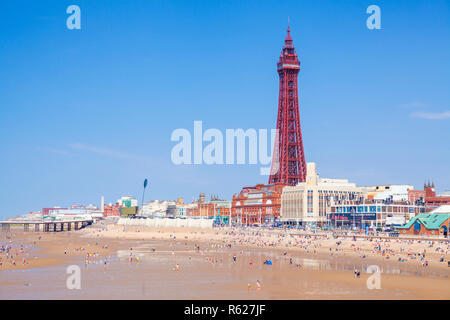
x=222, y=158
x=370, y=120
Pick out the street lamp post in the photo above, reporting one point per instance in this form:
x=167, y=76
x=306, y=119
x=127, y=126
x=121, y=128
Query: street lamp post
x=143, y=193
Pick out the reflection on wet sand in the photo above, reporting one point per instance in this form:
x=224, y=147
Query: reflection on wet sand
x=179, y=269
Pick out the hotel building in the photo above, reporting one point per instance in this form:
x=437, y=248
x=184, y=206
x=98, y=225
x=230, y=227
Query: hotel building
x=307, y=202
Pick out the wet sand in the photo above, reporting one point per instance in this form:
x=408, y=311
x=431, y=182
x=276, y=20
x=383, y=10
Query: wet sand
x=207, y=272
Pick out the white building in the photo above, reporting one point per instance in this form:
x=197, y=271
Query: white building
x=307, y=202
x=73, y=213
x=391, y=192
x=127, y=201
x=156, y=208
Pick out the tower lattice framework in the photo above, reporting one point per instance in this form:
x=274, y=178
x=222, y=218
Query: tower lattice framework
x=288, y=163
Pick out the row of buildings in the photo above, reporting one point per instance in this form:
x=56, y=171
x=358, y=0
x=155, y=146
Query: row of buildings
x=336, y=202
x=316, y=202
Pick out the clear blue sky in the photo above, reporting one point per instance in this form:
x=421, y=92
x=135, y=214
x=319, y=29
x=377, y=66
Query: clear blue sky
x=86, y=113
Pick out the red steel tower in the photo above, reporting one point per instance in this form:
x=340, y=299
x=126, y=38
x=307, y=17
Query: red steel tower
x=288, y=163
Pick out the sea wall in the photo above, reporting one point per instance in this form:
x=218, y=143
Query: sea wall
x=189, y=223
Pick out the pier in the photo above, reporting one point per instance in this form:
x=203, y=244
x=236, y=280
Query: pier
x=46, y=226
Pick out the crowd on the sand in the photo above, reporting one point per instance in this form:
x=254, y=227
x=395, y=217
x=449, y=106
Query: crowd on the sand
x=388, y=249
x=422, y=251
x=19, y=253
x=10, y=253
x=311, y=244
x=400, y=250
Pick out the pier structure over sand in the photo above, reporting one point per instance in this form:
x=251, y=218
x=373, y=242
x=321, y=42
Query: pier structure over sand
x=45, y=226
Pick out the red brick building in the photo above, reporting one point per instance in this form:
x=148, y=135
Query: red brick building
x=428, y=224
x=112, y=210
x=215, y=208
x=428, y=197
x=208, y=209
x=433, y=201
x=259, y=204
x=415, y=195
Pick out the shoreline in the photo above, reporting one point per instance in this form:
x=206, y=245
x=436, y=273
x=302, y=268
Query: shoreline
x=303, y=267
x=287, y=242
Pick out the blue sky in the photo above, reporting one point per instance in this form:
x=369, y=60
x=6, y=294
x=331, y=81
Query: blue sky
x=86, y=113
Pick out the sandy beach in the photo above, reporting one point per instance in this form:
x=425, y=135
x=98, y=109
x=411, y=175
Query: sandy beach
x=120, y=262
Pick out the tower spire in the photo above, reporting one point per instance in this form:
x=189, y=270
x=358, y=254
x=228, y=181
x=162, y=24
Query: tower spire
x=288, y=39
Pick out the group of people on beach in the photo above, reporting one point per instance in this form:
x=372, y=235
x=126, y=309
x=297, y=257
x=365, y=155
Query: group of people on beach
x=364, y=247
x=10, y=252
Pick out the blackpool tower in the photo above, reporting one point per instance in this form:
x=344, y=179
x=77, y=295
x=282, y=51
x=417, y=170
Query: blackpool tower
x=288, y=162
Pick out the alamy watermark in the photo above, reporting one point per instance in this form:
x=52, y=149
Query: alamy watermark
x=374, y=281
x=74, y=20
x=74, y=279
x=239, y=147
x=374, y=20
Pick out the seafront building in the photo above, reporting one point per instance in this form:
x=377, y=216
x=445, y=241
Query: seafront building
x=397, y=193
x=403, y=193
x=260, y=204
x=124, y=207
x=432, y=200
x=74, y=212
x=46, y=211
x=434, y=223
x=127, y=202
x=181, y=211
x=157, y=208
x=372, y=213
x=111, y=210
x=215, y=208
x=306, y=203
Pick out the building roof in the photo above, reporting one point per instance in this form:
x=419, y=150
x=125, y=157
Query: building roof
x=428, y=220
